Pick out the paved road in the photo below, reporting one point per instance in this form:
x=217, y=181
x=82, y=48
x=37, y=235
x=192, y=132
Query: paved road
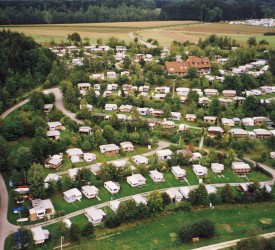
x=6, y=228
x=59, y=104
x=7, y=112
x=230, y=243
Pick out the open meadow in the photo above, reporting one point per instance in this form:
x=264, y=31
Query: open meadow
x=163, y=31
x=93, y=31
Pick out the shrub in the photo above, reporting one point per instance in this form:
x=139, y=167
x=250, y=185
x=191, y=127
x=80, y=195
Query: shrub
x=187, y=232
x=88, y=229
x=166, y=198
x=185, y=206
x=112, y=221
x=204, y=229
x=74, y=232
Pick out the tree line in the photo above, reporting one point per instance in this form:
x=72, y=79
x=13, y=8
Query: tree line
x=24, y=65
x=212, y=11
x=47, y=12
x=24, y=12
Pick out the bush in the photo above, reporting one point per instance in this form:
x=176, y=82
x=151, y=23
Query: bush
x=185, y=206
x=112, y=221
x=74, y=232
x=166, y=198
x=187, y=232
x=203, y=229
x=88, y=229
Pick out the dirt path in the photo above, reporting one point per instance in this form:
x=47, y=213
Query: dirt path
x=149, y=45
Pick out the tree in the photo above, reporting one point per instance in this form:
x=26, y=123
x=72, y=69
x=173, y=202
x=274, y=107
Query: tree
x=127, y=211
x=166, y=198
x=272, y=64
x=199, y=196
x=263, y=42
x=215, y=107
x=166, y=110
x=186, y=232
x=112, y=221
x=88, y=229
x=251, y=41
x=192, y=73
x=60, y=230
x=24, y=238
x=83, y=177
x=193, y=97
x=155, y=201
x=111, y=172
x=4, y=152
x=23, y=158
x=35, y=177
x=226, y=194
x=37, y=101
x=205, y=228
x=75, y=37
x=74, y=232
x=126, y=62
x=251, y=105
x=108, y=133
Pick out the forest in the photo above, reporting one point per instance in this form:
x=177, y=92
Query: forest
x=214, y=11
x=24, y=66
x=95, y=11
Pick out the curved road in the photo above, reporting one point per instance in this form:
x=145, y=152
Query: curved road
x=6, y=228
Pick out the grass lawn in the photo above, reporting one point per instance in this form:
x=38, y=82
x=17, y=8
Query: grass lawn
x=126, y=190
x=160, y=232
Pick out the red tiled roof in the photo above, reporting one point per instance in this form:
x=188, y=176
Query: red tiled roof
x=200, y=63
x=176, y=67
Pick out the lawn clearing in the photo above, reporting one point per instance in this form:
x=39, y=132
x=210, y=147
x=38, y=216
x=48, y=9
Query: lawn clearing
x=160, y=231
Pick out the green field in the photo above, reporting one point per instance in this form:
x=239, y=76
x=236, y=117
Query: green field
x=163, y=31
x=160, y=231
